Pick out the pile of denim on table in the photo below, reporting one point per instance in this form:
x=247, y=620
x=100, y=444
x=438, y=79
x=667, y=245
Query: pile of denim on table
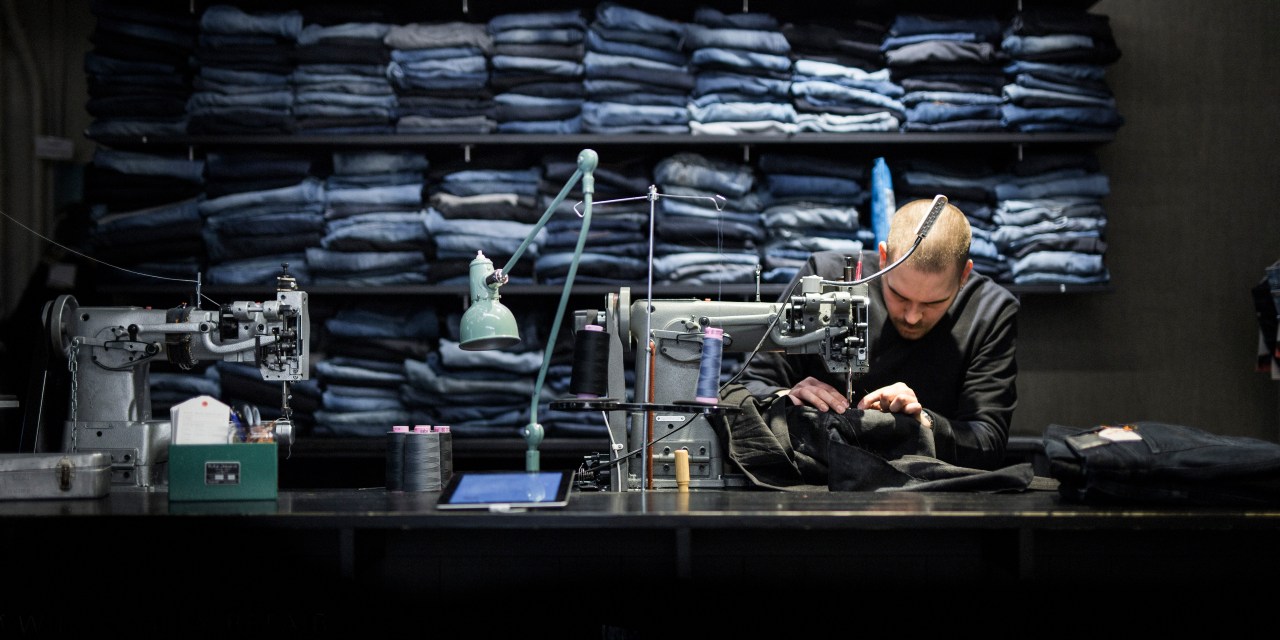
x=637, y=74
x=538, y=71
x=246, y=64
x=742, y=74
x=441, y=77
x=951, y=70
x=698, y=244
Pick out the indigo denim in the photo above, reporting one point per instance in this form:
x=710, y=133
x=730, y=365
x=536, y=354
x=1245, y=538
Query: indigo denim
x=748, y=40
x=714, y=175
x=227, y=19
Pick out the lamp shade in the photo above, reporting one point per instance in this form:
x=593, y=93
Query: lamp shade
x=488, y=324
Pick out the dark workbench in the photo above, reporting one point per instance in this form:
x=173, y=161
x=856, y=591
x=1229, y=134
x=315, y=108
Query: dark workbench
x=321, y=553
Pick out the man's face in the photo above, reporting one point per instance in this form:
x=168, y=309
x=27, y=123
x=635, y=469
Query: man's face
x=916, y=300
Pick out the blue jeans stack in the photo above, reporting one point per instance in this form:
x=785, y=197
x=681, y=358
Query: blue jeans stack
x=341, y=84
x=457, y=240
x=538, y=71
x=250, y=234
x=701, y=241
x=951, y=69
x=1058, y=67
x=840, y=82
x=375, y=230
x=1052, y=224
x=441, y=77
x=246, y=62
x=143, y=209
x=637, y=76
x=617, y=249
x=742, y=71
x=479, y=393
x=811, y=204
x=366, y=346
x=138, y=71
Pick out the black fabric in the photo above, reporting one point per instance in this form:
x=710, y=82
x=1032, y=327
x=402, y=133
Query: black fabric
x=1159, y=463
x=778, y=445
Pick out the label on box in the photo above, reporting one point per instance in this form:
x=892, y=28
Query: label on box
x=221, y=473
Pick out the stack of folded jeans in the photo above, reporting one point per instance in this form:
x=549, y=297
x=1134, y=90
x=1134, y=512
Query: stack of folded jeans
x=970, y=184
x=617, y=245
x=242, y=384
x=457, y=240
x=250, y=234
x=232, y=171
x=340, y=85
x=245, y=67
x=834, y=98
x=811, y=204
x=375, y=229
x=839, y=80
x=1052, y=225
x=637, y=75
x=363, y=372
x=538, y=71
x=479, y=393
x=441, y=76
x=742, y=68
x=144, y=212
x=854, y=43
x=951, y=68
x=1059, y=59
x=138, y=71
x=708, y=221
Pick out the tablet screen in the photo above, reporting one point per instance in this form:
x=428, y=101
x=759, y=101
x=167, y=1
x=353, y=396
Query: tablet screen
x=506, y=490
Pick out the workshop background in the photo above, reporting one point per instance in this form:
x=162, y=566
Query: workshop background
x=1192, y=224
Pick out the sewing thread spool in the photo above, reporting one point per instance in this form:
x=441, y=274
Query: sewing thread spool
x=590, y=375
x=708, y=390
x=422, y=460
x=395, y=457
x=446, y=454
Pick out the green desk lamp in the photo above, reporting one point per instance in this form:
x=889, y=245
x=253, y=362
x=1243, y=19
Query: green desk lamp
x=488, y=324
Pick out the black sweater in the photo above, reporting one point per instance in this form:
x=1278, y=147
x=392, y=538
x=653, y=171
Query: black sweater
x=963, y=371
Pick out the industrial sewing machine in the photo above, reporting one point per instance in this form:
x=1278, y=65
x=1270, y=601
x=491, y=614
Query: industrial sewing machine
x=109, y=351
x=827, y=318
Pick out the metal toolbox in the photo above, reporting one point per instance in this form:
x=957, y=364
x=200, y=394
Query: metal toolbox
x=43, y=476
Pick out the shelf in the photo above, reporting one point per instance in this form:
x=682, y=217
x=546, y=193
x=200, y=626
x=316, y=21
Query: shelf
x=478, y=140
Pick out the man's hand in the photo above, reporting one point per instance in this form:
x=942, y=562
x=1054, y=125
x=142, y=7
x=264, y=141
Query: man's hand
x=818, y=395
x=896, y=398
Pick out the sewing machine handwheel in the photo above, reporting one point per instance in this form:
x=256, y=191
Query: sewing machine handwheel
x=59, y=314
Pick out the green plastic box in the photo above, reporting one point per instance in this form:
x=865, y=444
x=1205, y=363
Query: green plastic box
x=223, y=472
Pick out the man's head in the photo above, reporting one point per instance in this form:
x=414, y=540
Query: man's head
x=920, y=290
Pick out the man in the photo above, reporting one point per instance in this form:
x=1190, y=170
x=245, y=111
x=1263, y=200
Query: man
x=941, y=339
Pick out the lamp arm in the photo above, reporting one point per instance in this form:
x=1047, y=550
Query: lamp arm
x=542, y=222
x=587, y=161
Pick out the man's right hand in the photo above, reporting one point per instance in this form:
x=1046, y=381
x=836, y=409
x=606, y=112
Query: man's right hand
x=819, y=395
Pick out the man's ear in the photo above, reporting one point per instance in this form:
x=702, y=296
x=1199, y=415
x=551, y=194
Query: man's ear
x=964, y=275
x=884, y=254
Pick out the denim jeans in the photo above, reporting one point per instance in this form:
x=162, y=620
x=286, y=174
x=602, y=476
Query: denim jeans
x=613, y=15
x=915, y=23
x=1067, y=73
x=1162, y=463
x=178, y=167
x=750, y=62
x=539, y=36
x=258, y=271
x=1031, y=97
x=1095, y=185
x=1061, y=118
x=344, y=264
x=443, y=35
x=743, y=112
x=747, y=40
x=384, y=321
x=231, y=20
x=714, y=175
x=309, y=190
x=711, y=17
x=378, y=232
x=1019, y=46
x=598, y=44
